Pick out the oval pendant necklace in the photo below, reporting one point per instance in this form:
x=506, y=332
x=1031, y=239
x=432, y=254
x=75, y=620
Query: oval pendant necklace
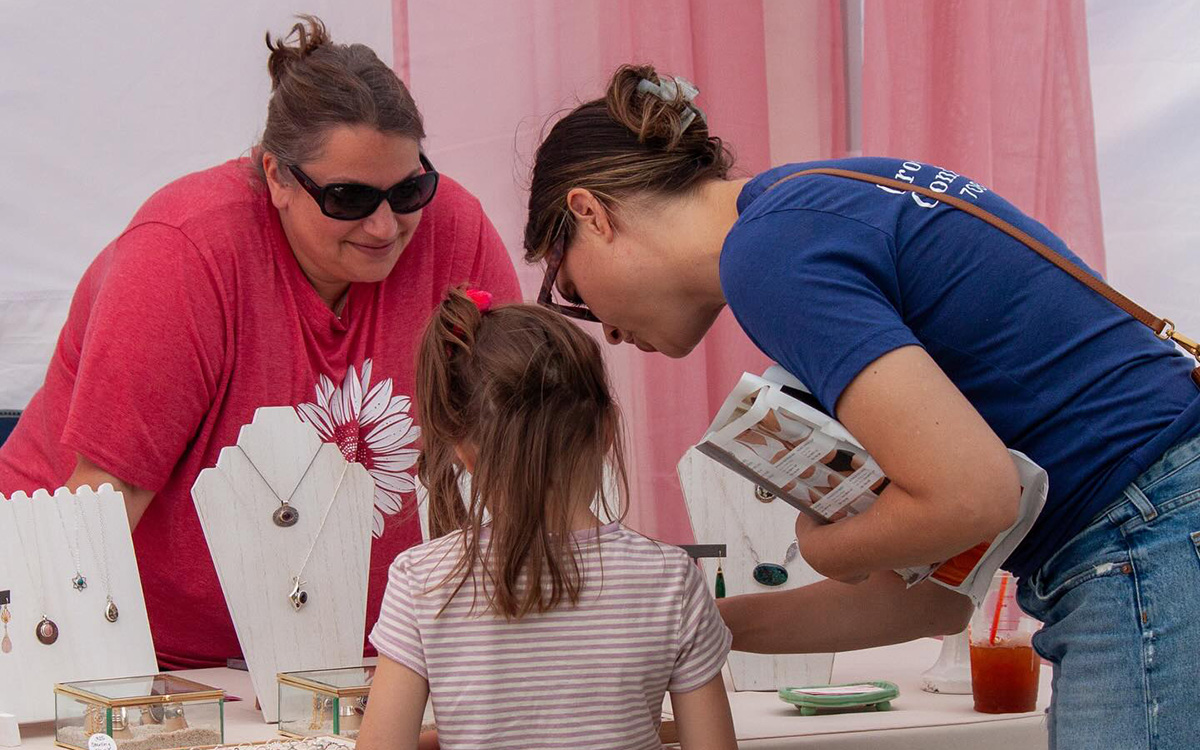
x=46, y=630
x=769, y=573
x=774, y=574
x=111, y=613
x=286, y=515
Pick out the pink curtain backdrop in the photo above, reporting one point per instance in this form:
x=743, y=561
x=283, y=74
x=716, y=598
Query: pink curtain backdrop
x=806, y=80
x=489, y=77
x=996, y=90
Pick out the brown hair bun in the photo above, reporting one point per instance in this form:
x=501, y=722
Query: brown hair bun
x=309, y=34
x=646, y=114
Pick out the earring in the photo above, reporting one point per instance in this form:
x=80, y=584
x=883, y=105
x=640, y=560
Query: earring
x=6, y=642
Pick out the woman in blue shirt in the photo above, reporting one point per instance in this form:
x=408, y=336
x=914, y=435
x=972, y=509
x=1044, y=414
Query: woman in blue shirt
x=938, y=341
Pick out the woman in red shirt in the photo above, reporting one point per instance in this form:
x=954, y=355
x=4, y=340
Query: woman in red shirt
x=299, y=276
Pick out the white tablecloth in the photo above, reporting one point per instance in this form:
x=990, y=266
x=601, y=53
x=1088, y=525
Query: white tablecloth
x=917, y=721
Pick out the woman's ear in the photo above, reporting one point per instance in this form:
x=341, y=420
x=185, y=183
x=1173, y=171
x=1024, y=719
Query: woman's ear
x=591, y=215
x=281, y=188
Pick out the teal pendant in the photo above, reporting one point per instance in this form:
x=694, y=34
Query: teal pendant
x=79, y=582
x=770, y=574
x=720, y=588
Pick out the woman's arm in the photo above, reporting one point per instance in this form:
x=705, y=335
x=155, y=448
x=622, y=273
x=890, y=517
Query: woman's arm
x=394, y=709
x=703, y=718
x=953, y=482
x=136, y=500
x=830, y=616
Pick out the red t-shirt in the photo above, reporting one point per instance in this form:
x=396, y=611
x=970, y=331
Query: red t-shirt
x=197, y=315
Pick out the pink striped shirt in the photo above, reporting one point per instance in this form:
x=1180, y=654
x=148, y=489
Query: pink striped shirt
x=588, y=676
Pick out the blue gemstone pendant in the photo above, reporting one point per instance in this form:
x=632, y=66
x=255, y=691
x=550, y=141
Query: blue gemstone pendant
x=79, y=582
x=770, y=574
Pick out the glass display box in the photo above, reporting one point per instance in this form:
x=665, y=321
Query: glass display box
x=155, y=712
x=323, y=701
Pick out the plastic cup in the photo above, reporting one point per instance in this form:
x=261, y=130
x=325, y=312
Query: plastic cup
x=1004, y=666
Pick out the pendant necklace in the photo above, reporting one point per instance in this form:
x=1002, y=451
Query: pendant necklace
x=78, y=582
x=298, y=597
x=285, y=515
x=46, y=631
x=111, y=613
x=774, y=574
x=769, y=573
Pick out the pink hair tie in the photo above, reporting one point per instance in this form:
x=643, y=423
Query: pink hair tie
x=482, y=299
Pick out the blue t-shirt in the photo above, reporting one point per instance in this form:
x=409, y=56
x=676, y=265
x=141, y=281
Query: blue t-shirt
x=827, y=274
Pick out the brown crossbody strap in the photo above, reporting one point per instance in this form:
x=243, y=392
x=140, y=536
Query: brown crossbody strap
x=1162, y=327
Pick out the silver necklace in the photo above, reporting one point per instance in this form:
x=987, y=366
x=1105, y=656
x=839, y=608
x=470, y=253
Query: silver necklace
x=285, y=515
x=78, y=581
x=46, y=631
x=774, y=574
x=298, y=596
x=771, y=574
x=111, y=613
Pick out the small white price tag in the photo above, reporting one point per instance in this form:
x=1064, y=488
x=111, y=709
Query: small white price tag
x=101, y=742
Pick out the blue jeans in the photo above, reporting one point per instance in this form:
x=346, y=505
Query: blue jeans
x=1121, y=607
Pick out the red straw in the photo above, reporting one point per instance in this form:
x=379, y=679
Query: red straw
x=999, y=606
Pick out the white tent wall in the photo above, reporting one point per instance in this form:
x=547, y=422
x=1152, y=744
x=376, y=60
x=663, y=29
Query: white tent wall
x=100, y=105
x=1145, y=67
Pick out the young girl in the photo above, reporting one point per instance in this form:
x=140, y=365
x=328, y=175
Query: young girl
x=529, y=622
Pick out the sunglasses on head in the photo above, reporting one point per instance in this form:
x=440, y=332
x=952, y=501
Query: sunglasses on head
x=351, y=201
x=545, y=298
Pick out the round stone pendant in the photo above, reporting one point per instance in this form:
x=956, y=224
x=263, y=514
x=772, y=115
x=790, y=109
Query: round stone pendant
x=286, y=516
x=770, y=574
x=47, y=631
x=110, y=611
x=79, y=582
x=762, y=495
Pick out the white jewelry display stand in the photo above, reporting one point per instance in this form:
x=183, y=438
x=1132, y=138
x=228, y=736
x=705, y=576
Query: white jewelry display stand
x=951, y=673
x=723, y=510
x=89, y=647
x=256, y=560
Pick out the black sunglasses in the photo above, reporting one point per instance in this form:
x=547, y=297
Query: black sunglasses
x=545, y=298
x=351, y=201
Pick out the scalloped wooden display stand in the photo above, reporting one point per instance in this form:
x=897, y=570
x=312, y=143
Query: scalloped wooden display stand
x=89, y=647
x=255, y=559
x=723, y=510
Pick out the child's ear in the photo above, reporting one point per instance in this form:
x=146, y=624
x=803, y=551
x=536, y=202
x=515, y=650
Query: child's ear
x=467, y=454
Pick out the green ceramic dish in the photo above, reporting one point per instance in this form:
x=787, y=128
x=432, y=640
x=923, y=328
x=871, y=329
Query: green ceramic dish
x=862, y=696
